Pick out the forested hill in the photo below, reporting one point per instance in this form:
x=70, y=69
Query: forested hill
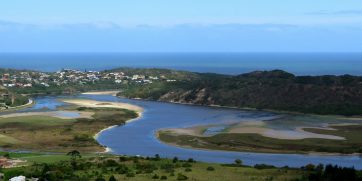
x=277, y=90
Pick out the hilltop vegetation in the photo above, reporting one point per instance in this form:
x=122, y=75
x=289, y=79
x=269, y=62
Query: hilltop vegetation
x=277, y=90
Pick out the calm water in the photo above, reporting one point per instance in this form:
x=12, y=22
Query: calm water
x=226, y=63
x=138, y=137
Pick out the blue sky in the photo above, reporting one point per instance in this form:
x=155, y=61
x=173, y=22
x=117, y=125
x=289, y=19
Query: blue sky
x=181, y=26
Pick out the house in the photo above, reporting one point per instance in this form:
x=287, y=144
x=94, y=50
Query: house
x=135, y=77
x=18, y=178
x=5, y=77
x=118, y=81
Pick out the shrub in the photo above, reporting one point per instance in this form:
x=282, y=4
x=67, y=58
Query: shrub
x=130, y=174
x=157, y=157
x=186, y=165
x=175, y=160
x=210, y=168
x=110, y=163
x=188, y=170
x=163, y=177
x=238, y=162
x=263, y=166
x=123, y=158
x=155, y=176
x=100, y=179
x=112, y=178
x=181, y=177
x=191, y=160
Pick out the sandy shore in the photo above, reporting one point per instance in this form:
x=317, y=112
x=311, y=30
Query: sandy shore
x=258, y=127
x=296, y=134
x=113, y=93
x=107, y=149
x=30, y=102
x=92, y=103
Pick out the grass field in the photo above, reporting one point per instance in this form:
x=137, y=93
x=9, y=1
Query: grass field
x=258, y=143
x=46, y=133
x=91, y=167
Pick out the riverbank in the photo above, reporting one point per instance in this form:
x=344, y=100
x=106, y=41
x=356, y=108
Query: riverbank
x=73, y=127
x=255, y=142
x=113, y=93
x=30, y=103
x=90, y=103
x=102, y=104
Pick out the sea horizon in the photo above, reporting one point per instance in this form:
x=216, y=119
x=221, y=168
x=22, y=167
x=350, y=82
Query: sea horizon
x=233, y=63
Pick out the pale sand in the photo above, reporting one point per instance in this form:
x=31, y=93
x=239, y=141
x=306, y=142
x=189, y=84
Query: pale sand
x=92, y=103
x=105, y=129
x=257, y=127
x=194, y=131
x=113, y=93
x=57, y=114
x=30, y=102
x=296, y=134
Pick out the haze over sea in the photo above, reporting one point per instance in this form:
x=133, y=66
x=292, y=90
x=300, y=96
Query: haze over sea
x=224, y=63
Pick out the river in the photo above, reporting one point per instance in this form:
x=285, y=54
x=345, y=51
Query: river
x=138, y=137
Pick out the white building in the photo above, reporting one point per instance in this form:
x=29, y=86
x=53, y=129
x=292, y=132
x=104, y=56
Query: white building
x=18, y=178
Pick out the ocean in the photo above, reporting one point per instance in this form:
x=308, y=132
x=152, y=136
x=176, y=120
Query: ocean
x=223, y=63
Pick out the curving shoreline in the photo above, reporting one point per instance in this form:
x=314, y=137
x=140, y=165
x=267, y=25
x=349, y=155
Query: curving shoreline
x=30, y=103
x=92, y=103
x=96, y=136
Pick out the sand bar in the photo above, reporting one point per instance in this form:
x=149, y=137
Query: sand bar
x=114, y=93
x=92, y=103
x=258, y=127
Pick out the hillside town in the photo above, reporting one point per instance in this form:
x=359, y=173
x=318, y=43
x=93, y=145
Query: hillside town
x=28, y=79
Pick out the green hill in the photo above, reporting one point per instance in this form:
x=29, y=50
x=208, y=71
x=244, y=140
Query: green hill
x=277, y=90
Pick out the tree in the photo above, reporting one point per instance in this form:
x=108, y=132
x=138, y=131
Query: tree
x=238, y=162
x=6, y=155
x=74, y=155
x=181, y=177
x=175, y=160
x=157, y=157
x=112, y=178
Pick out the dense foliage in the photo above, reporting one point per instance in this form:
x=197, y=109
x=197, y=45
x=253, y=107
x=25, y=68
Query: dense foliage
x=12, y=99
x=277, y=90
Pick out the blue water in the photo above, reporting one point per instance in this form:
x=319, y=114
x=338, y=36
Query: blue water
x=225, y=63
x=138, y=137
